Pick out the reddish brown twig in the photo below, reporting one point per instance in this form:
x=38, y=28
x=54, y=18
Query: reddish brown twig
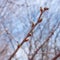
x=51, y=33
x=25, y=39
x=56, y=57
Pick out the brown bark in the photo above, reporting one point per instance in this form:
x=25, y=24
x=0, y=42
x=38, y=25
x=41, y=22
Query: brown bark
x=18, y=47
x=51, y=33
x=55, y=58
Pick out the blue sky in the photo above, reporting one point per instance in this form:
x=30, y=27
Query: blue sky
x=17, y=17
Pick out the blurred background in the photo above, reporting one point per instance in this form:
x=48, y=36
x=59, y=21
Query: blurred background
x=16, y=17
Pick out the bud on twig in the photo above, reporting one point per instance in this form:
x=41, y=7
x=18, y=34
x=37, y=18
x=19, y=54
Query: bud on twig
x=18, y=46
x=41, y=10
x=26, y=39
x=33, y=24
x=29, y=34
x=39, y=20
x=46, y=8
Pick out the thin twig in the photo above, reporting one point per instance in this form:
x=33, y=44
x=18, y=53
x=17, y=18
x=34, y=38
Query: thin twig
x=24, y=40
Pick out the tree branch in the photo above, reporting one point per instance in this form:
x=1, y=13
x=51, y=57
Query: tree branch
x=24, y=40
x=51, y=33
x=56, y=57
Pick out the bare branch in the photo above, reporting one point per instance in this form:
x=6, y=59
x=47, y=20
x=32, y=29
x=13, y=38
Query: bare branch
x=24, y=40
x=51, y=33
x=57, y=56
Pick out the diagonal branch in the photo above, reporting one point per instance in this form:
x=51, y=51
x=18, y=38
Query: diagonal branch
x=56, y=57
x=51, y=33
x=24, y=40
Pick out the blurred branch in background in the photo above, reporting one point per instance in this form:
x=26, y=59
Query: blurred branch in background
x=56, y=57
x=27, y=26
x=25, y=39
